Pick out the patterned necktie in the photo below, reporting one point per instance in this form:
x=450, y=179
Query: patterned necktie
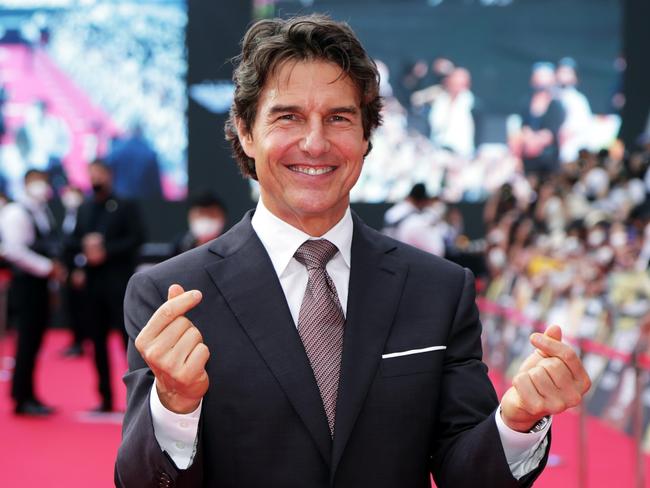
x=321, y=321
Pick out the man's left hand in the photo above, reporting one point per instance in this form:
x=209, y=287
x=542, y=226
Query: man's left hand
x=550, y=380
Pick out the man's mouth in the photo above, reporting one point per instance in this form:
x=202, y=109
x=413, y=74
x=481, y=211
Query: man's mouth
x=311, y=170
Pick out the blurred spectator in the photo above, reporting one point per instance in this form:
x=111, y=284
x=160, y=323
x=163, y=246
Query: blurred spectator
x=30, y=243
x=134, y=165
x=105, y=244
x=206, y=219
x=74, y=292
x=455, y=115
x=45, y=141
x=537, y=143
x=415, y=202
x=576, y=129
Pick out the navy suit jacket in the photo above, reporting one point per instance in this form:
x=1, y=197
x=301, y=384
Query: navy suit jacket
x=262, y=422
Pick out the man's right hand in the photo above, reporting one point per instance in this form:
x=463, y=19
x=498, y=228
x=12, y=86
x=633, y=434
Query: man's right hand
x=174, y=350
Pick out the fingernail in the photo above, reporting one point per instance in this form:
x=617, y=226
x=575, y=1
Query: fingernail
x=196, y=294
x=536, y=338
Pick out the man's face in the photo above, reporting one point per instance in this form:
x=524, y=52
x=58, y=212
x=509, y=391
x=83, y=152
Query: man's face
x=99, y=176
x=307, y=142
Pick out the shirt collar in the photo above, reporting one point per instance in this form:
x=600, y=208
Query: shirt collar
x=281, y=240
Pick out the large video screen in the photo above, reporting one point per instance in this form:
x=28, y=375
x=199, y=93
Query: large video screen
x=81, y=80
x=481, y=92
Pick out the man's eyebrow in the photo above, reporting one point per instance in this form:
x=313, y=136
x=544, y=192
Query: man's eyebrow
x=275, y=109
x=348, y=109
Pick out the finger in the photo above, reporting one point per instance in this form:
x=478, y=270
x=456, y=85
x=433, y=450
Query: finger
x=198, y=357
x=194, y=367
x=193, y=372
x=160, y=345
x=175, y=307
x=559, y=373
x=554, y=348
x=530, y=399
x=553, y=398
x=185, y=345
x=166, y=313
x=554, y=332
x=174, y=291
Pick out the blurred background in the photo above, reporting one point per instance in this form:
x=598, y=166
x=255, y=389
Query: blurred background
x=516, y=142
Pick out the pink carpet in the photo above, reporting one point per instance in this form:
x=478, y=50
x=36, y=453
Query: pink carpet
x=75, y=450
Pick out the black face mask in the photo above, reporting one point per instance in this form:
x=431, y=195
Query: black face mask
x=98, y=188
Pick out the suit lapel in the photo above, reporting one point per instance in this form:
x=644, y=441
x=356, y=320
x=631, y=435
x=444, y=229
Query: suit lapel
x=376, y=282
x=247, y=281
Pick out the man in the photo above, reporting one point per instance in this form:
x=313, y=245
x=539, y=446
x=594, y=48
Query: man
x=104, y=246
x=135, y=166
x=30, y=244
x=455, y=115
x=538, y=142
x=576, y=129
x=308, y=349
x=206, y=219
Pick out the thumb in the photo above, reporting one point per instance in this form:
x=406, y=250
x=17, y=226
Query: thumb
x=554, y=332
x=174, y=291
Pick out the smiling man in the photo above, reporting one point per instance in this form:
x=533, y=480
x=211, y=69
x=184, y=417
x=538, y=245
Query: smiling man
x=304, y=349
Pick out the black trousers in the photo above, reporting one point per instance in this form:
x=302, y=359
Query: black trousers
x=31, y=299
x=105, y=293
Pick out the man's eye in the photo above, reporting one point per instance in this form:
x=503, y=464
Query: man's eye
x=287, y=117
x=338, y=118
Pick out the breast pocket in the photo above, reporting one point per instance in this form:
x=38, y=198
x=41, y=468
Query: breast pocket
x=411, y=362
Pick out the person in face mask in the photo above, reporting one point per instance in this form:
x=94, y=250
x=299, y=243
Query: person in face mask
x=206, y=219
x=30, y=243
x=538, y=143
x=74, y=291
x=104, y=246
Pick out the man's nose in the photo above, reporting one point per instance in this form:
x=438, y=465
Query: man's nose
x=314, y=141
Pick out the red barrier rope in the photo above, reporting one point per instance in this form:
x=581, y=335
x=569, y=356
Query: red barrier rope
x=587, y=345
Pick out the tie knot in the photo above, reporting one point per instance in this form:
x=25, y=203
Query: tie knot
x=315, y=254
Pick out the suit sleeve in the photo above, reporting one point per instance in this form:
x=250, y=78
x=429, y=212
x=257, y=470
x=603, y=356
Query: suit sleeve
x=140, y=461
x=467, y=449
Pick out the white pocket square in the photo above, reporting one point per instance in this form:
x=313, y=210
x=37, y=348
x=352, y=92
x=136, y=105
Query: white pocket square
x=412, y=351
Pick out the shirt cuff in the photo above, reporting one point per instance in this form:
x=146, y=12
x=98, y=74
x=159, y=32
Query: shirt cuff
x=176, y=433
x=524, y=451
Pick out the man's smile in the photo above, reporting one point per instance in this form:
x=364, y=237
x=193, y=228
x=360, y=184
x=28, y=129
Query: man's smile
x=312, y=170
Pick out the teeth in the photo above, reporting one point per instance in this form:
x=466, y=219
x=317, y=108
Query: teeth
x=310, y=170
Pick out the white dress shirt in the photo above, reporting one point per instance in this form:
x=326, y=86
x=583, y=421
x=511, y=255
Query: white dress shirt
x=17, y=234
x=177, y=434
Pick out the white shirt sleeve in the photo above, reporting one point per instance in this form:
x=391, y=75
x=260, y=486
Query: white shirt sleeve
x=176, y=433
x=523, y=451
x=16, y=235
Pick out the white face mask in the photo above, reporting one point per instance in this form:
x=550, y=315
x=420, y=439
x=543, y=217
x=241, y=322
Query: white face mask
x=497, y=257
x=596, y=238
x=38, y=190
x=71, y=200
x=618, y=239
x=206, y=228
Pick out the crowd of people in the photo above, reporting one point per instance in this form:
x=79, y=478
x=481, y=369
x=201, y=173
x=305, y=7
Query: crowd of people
x=436, y=127
x=137, y=75
x=82, y=249
x=570, y=247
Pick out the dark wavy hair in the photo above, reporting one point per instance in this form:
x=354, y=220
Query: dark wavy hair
x=269, y=43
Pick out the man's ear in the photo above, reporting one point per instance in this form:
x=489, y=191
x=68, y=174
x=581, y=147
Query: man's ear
x=245, y=138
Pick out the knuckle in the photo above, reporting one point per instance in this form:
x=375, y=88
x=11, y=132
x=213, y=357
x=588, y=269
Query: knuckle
x=574, y=399
x=166, y=311
x=558, y=406
x=567, y=355
x=195, y=334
